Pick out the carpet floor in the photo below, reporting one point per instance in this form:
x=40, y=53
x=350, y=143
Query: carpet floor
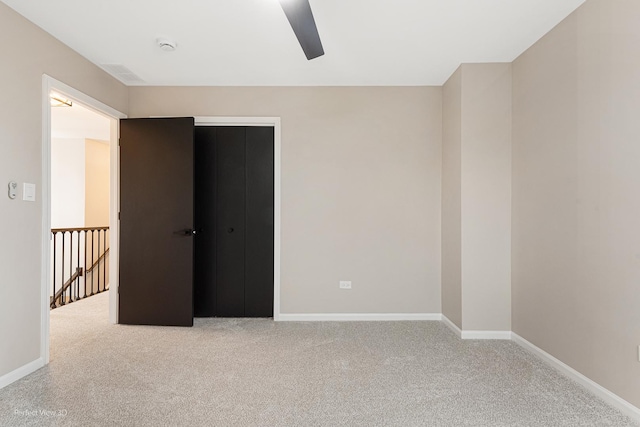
x=255, y=372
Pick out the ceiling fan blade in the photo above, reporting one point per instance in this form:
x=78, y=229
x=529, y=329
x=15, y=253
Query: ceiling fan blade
x=300, y=17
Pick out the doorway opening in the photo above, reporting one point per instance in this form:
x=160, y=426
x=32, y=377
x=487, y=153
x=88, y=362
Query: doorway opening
x=80, y=168
x=79, y=202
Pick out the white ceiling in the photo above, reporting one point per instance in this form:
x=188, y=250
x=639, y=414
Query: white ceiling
x=79, y=122
x=250, y=42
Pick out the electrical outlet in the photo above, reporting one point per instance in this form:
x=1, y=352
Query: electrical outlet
x=345, y=284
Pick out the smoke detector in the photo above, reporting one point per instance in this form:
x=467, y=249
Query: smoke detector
x=166, y=44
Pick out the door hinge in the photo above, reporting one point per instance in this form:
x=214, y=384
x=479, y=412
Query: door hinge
x=118, y=216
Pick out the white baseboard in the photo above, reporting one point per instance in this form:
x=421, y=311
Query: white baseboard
x=388, y=317
x=486, y=335
x=452, y=326
x=595, y=388
x=21, y=372
x=357, y=317
x=476, y=335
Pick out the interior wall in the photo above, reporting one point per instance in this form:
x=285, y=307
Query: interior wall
x=97, y=189
x=360, y=188
x=452, y=199
x=31, y=53
x=576, y=202
x=96, y=208
x=67, y=182
x=476, y=194
x=486, y=197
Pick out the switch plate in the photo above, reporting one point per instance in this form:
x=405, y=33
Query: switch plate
x=28, y=192
x=344, y=284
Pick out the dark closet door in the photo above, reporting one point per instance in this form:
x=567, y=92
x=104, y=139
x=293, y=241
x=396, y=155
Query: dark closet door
x=230, y=221
x=234, y=208
x=156, y=218
x=204, y=290
x=259, y=222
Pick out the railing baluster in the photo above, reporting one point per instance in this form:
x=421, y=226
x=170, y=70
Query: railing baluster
x=93, y=260
x=104, y=261
x=99, y=262
x=62, y=263
x=52, y=304
x=77, y=268
x=70, y=288
x=85, y=265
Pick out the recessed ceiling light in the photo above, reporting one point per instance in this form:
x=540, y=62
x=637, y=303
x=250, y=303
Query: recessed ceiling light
x=166, y=44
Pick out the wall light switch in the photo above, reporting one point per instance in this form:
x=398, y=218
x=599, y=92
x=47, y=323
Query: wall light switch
x=13, y=189
x=29, y=192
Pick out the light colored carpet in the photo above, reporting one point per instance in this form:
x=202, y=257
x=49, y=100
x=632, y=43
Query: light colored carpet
x=253, y=372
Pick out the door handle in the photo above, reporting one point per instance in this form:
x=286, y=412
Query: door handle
x=189, y=232
x=230, y=230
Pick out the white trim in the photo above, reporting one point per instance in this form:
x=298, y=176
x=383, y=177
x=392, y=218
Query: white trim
x=45, y=250
x=21, y=372
x=263, y=121
x=114, y=221
x=452, y=326
x=81, y=98
x=595, y=388
x=476, y=335
x=50, y=84
x=237, y=121
x=486, y=335
x=358, y=317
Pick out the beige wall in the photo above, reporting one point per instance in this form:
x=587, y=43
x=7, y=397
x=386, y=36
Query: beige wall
x=486, y=197
x=576, y=204
x=97, y=205
x=360, y=189
x=452, y=198
x=96, y=183
x=67, y=182
x=30, y=53
x=476, y=194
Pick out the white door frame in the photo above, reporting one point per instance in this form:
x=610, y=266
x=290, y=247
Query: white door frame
x=50, y=84
x=275, y=123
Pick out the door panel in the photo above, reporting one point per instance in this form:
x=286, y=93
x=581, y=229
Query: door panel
x=230, y=227
x=259, y=222
x=204, y=283
x=156, y=207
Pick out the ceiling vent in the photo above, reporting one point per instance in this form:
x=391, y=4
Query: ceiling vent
x=122, y=73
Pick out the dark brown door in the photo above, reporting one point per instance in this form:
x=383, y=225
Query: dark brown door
x=156, y=221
